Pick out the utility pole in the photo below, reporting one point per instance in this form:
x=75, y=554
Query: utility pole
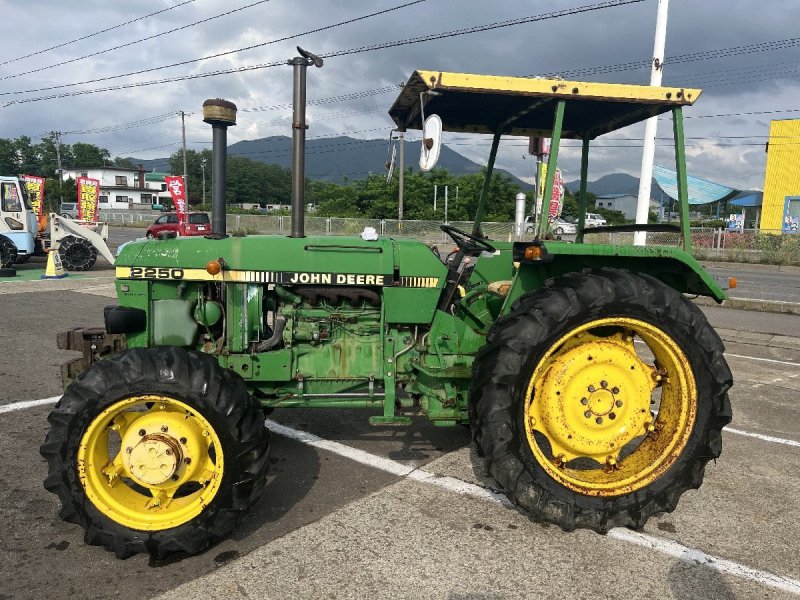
x=402, y=174
x=185, y=181
x=203, y=167
x=57, y=141
x=651, y=125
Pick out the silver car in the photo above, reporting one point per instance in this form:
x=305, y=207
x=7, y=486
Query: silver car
x=69, y=210
x=560, y=227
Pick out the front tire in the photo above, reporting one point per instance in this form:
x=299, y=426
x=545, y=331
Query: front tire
x=156, y=450
x=583, y=427
x=8, y=252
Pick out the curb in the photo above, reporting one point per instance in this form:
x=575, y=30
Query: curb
x=721, y=264
x=770, y=340
x=772, y=306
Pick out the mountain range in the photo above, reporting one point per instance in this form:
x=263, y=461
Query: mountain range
x=337, y=159
x=340, y=159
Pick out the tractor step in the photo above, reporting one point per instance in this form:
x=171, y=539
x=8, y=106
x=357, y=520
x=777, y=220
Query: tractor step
x=397, y=420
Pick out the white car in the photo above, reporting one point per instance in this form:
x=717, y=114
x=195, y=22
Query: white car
x=561, y=227
x=594, y=220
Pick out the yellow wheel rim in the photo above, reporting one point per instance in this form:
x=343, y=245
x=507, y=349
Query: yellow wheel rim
x=150, y=462
x=610, y=407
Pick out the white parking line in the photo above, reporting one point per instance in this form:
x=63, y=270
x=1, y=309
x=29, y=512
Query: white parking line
x=769, y=360
x=451, y=484
x=459, y=486
x=27, y=404
x=756, y=358
x=354, y=453
x=765, y=438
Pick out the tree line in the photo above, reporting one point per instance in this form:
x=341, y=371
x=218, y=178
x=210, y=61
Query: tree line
x=250, y=181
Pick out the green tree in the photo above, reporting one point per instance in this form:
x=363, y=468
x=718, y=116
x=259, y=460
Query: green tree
x=88, y=155
x=8, y=157
x=124, y=163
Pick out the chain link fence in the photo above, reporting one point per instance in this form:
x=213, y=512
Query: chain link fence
x=761, y=246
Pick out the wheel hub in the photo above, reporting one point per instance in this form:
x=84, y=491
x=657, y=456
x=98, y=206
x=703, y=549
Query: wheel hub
x=155, y=459
x=601, y=402
x=593, y=399
x=138, y=478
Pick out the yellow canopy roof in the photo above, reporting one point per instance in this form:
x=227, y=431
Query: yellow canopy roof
x=525, y=106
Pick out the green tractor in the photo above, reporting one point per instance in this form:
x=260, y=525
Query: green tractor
x=594, y=389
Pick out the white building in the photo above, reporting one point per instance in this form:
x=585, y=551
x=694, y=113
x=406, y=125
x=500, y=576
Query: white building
x=122, y=188
x=624, y=203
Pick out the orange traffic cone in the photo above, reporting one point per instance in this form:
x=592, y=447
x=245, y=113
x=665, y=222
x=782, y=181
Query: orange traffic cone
x=54, y=270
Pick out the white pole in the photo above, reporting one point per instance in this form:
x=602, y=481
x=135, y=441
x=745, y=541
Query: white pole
x=435, y=189
x=445, y=205
x=648, y=152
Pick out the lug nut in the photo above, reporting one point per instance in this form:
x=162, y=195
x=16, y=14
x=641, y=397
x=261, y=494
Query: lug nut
x=598, y=420
x=603, y=384
x=612, y=416
x=618, y=403
x=142, y=432
x=164, y=428
x=591, y=388
x=615, y=390
x=183, y=440
x=187, y=461
x=587, y=414
x=584, y=401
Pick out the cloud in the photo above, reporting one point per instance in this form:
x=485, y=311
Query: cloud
x=752, y=82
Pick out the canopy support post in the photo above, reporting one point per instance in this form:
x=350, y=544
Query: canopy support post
x=555, y=141
x=476, y=228
x=584, y=184
x=683, y=185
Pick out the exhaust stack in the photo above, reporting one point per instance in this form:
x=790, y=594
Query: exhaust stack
x=300, y=64
x=220, y=114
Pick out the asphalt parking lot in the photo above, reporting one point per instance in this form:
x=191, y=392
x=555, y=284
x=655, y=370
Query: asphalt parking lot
x=353, y=511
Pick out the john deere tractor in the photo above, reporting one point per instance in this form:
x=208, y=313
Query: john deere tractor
x=594, y=389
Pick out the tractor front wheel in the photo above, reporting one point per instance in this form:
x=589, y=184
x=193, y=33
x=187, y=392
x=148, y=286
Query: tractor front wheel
x=77, y=254
x=156, y=450
x=598, y=400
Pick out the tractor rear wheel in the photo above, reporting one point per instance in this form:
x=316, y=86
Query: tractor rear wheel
x=598, y=400
x=156, y=450
x=77, y=254
x=8, y=252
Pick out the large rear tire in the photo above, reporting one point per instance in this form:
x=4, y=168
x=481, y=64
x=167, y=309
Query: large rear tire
x=77, y=254
x=156, y=450
x=598, y=400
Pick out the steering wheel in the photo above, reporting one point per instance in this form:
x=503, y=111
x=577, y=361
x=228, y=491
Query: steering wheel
x=466, y=242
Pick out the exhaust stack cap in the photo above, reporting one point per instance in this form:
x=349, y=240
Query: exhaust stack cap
x=217, y=111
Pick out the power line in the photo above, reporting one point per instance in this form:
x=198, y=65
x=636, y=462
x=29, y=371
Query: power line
x=107, y=29
x=680, y=58
x=194, y=60
x=481, y=28
x=121, y=126
x=133, y=43
x=358, y=50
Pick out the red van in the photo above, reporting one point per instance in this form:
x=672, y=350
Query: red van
x=197, y=223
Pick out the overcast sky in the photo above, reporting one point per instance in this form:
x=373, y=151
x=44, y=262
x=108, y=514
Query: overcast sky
x=726, y=149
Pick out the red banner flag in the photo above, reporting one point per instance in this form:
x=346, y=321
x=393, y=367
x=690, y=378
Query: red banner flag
x=88, y=193
x=35, y=188
x=178, y=193
x=557, y=195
